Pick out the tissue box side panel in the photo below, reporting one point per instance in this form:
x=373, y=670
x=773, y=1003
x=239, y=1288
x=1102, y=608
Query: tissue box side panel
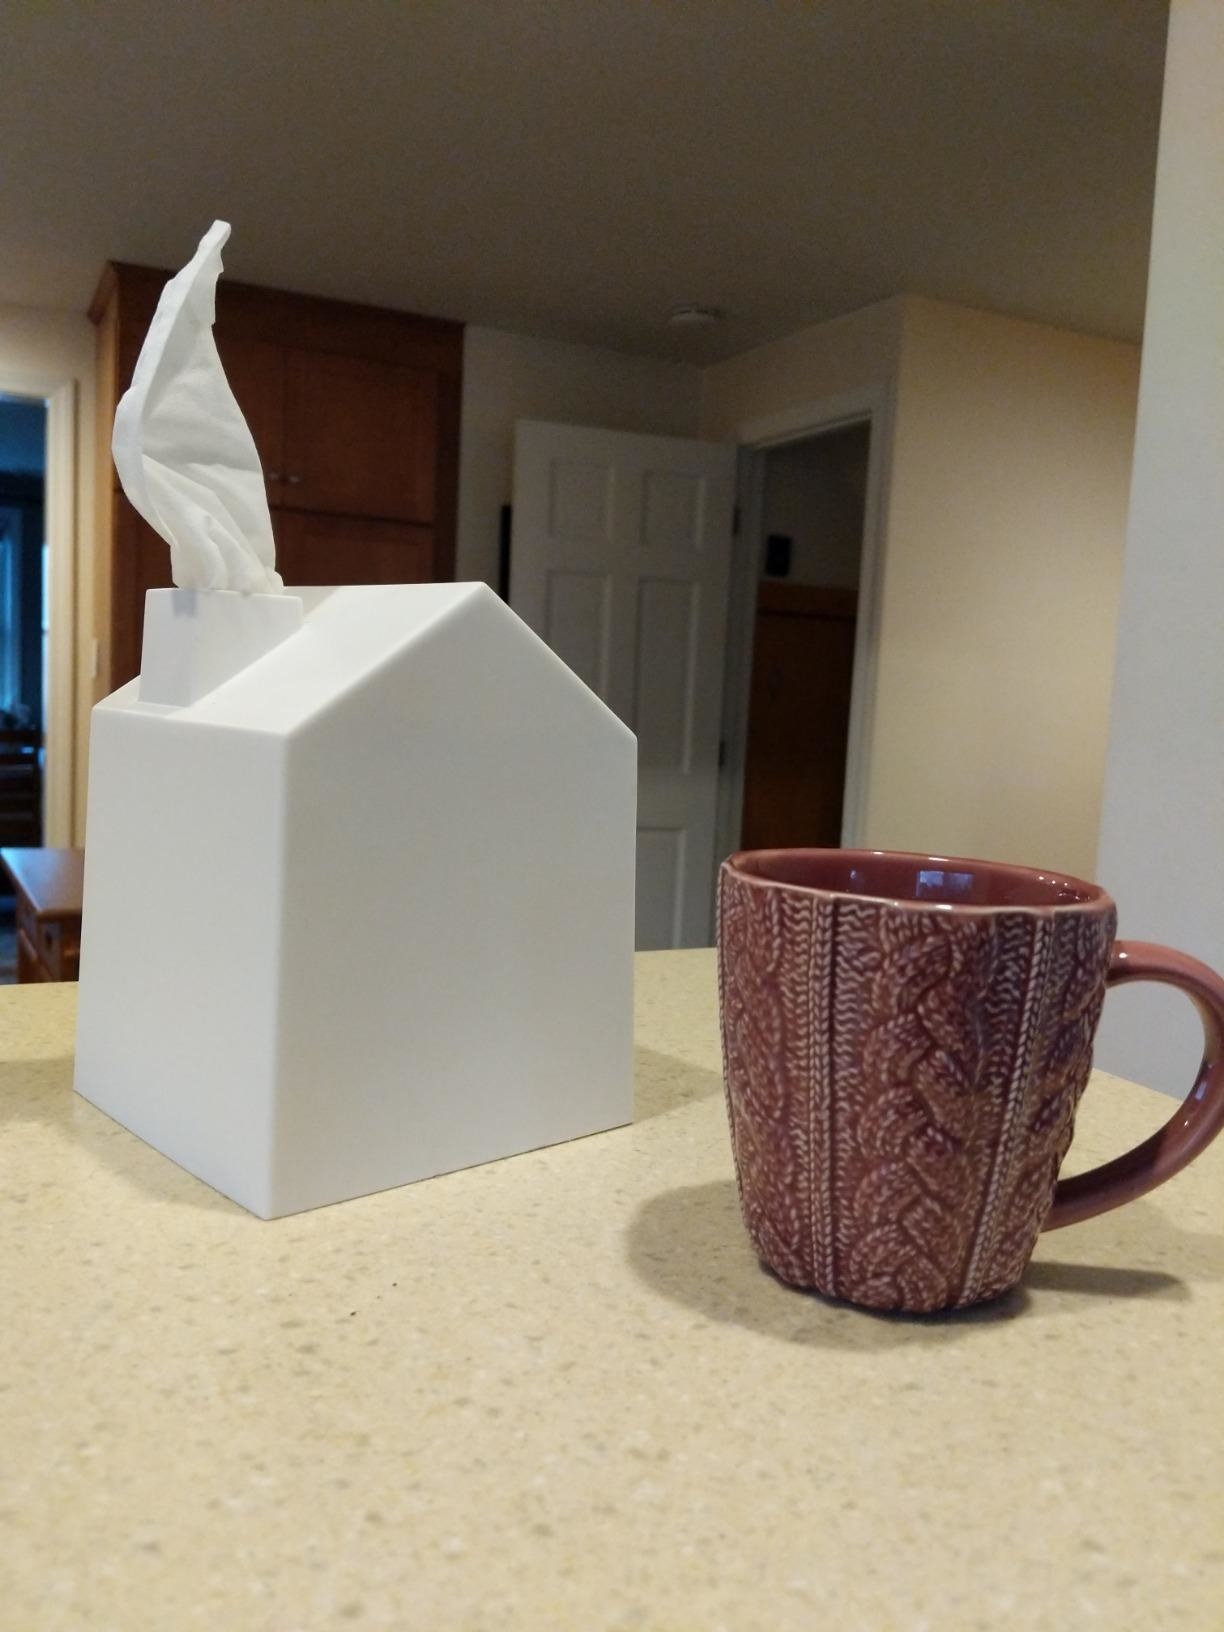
x=458, y=976
x=196, y=640
x=349, y=632
x=181, y=941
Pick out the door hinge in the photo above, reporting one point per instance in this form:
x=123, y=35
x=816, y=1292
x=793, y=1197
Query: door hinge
x=722, y=753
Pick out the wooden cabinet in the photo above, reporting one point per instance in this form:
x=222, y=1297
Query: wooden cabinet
x=255, y=370
x=318, y=549
x=355, y=413
x=359, y=437
x=140, y=560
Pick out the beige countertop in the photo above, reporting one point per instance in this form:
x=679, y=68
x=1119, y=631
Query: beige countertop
x=558, y=1392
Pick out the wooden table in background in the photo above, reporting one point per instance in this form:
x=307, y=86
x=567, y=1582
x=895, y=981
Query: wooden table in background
x=48, y=888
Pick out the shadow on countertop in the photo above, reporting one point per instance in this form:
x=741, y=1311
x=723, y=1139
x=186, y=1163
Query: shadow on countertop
x=690, y=1246
x=663, y=1083
x=41, y=1091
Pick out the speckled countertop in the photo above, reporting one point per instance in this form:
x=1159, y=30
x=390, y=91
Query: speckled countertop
x=558, y=1392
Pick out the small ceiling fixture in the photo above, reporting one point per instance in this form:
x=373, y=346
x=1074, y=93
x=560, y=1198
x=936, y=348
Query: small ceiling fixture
x=691, y=316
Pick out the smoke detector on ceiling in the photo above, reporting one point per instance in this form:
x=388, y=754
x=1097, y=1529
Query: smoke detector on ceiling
x=691, y=316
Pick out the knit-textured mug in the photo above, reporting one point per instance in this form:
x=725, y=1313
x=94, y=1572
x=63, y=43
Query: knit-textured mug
x=905, y=1041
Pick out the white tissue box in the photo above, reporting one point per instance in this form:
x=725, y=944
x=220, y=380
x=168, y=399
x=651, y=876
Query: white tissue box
x=362, y=912
x=196, y=639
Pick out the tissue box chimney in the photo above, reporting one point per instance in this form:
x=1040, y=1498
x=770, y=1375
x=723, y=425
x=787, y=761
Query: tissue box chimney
x=361, y=910
x=194, y=640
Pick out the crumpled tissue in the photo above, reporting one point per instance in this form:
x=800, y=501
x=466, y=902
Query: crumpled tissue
x=184, y=453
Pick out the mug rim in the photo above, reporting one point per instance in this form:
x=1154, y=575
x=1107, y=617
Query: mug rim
x=1092, y=897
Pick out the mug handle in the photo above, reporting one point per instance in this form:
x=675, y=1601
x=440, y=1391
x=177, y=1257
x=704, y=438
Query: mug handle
x=1196, y=1121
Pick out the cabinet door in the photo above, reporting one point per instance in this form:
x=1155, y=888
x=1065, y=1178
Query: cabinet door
x=314, y=549
x=255, y=370
x=360, y=437
x=141, y=562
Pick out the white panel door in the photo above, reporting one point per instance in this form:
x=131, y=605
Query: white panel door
x=621, y=553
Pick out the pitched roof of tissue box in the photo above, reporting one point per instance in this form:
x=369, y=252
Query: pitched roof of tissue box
x=362, y=912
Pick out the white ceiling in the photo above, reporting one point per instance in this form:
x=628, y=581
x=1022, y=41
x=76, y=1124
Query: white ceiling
x=576, y=167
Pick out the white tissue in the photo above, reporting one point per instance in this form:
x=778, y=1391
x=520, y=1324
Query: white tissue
x=183, y=450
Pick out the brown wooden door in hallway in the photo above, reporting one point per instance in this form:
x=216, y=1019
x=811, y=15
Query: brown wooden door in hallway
x=799, y=715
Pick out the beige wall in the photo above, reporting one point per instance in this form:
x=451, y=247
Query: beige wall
x=1007, y=484
x=1162, y=838
x=827, y=360
x=1006, y=520
x=57, y=347
x=508, y=377
x=1006, y=472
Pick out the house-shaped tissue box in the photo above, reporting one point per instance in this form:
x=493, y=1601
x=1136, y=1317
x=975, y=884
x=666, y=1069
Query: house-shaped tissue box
x=358, y=892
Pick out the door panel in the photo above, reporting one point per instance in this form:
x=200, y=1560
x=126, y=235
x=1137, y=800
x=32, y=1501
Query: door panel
x=360, y=437
x=580, y=500
x=668, y=627
x=671, y=510
x=621, y=553
x=660, y=887
x=348, y=550
x=578, y=614
x=255, y=370
x=798, y=718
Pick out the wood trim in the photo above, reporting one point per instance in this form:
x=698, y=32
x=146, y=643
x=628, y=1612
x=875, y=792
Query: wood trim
x=806, y=600
x=312, y=322
x=385, y=335
x=104, y=560
x=104, y=293
x=446, y=476
x=121, y=632
x=60, y=524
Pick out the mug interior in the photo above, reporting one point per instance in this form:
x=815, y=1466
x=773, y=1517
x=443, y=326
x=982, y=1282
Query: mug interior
x=887, y=875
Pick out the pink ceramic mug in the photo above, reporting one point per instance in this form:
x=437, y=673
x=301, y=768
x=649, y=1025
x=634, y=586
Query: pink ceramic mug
x=905, y=1040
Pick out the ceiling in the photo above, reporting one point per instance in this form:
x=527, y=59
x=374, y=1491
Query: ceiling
x=575, y=169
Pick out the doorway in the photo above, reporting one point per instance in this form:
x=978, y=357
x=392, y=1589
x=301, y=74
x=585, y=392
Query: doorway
x=23, y=638
x=23, y=618
x=803, y=623
x=813, y=511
